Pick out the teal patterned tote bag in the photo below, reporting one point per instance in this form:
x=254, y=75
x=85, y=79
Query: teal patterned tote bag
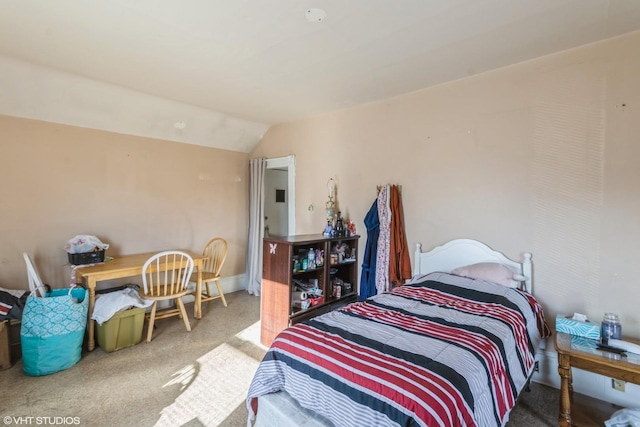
x=52, y=331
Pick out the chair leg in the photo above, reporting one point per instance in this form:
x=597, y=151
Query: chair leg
x=152, y=319
x=183, y=313
x=224, y=301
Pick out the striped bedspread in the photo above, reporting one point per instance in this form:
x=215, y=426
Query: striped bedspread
x=441, y=351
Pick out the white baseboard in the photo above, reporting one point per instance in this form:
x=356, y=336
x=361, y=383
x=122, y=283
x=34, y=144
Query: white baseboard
x=234, y=283
x=228, y=284
x=585, y=382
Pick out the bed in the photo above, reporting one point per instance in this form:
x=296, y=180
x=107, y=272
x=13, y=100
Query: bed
x=442, y=350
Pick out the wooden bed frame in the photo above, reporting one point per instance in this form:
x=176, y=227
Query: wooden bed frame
x=462, y=252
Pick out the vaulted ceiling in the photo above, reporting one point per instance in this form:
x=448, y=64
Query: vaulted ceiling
x=273, y=61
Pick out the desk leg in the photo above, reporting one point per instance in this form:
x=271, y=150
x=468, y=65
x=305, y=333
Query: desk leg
x=198, y=302
x=91, y=344
x=566, y=390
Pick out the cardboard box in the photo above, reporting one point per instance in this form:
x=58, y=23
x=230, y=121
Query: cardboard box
x=301, y=304
x=316, y=300
x=10, y=351
x=586, y=329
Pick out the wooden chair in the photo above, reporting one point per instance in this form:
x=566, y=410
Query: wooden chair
x=165, y=276
x=216, y=253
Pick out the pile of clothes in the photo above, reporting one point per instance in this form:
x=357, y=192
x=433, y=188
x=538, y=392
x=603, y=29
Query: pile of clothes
x=12, y=303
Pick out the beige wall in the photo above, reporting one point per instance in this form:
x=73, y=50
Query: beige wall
x=540, y=157
x=137, y=194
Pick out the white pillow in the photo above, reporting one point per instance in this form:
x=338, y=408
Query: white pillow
x=492, y=272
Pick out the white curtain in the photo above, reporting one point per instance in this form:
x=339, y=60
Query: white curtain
x=256, y=225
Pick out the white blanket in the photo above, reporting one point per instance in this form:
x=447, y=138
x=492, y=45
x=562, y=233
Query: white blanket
x=109, y=304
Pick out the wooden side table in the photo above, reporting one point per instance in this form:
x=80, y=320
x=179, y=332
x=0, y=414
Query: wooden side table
x=581, y=353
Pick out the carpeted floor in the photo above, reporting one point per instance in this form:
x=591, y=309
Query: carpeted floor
x=537, y=407
x=181, y=378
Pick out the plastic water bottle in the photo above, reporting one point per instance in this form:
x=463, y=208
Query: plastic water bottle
x=312, y=259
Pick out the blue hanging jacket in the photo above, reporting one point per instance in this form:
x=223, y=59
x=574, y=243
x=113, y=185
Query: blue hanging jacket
x=368, y=276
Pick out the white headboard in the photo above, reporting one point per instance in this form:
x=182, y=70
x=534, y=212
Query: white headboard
x=461, y=252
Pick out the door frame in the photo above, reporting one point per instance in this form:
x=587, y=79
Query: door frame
x=289, y=163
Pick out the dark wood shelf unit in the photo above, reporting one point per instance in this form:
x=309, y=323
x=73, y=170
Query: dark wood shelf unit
x=279, y=276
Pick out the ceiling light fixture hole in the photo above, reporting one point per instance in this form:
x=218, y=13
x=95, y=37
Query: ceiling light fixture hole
x=315, y=15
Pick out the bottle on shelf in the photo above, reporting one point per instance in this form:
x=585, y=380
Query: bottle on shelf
x=311, y=264
x=339, y=225
x=328, y=229
x=319, y=258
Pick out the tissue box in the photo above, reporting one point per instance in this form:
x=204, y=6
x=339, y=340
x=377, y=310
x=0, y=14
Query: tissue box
x=575, y=327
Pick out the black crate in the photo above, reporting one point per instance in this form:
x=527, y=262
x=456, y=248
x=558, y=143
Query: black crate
x=86, y=257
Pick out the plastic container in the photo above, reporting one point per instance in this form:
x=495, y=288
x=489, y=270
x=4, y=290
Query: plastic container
x=611, y=327
x=124, y=329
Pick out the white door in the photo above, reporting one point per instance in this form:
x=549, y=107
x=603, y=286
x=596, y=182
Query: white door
x=276, y=194
x=280, y=175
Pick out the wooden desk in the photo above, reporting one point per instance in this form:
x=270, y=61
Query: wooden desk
x=126, y=266
x=581, y=353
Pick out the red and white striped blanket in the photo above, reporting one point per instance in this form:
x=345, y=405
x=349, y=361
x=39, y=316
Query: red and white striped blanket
x=441, y=351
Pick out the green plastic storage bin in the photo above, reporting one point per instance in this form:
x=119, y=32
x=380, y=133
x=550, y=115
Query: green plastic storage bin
x=124, y=329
